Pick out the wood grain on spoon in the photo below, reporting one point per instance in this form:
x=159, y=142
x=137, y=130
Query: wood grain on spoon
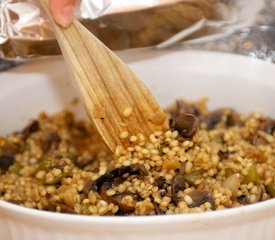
x=115, y=99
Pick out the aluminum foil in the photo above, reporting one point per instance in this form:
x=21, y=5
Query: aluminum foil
x=124, y=24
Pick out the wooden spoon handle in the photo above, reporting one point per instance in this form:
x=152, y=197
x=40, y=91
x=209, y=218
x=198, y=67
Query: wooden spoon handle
x=116, y=100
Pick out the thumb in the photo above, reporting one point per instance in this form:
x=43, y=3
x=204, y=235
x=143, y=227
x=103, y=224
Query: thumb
x=62, y=11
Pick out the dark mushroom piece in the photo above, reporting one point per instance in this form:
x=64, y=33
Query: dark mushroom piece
x=31, y=128
x=186, y=124
x=113, y=174
x=267, y=126
x=118, y=198
x=8, y=148
x=184, y=107
x=6, y=162
x=178, y=184
x=158, y=210
x=51, y=143
x=232, y=118
x=89, y=186
x=16, y=201
x=256, y=140
x=223, y=155
x=214, y=118
x=243, y=199
x=163, y=192
x=63, y=207
x=160, y=182
x=107, y=181
x=200, y=197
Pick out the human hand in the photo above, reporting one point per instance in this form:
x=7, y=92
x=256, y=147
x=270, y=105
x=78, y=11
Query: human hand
x=62, y=11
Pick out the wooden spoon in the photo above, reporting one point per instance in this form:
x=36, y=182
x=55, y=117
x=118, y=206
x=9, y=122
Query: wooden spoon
x=119, y=104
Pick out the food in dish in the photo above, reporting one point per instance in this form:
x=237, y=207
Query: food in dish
x=208, y=160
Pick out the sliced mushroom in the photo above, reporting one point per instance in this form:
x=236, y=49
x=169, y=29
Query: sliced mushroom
x=160, y=182
x=51, y=143
x=223, y=155
x=184, y=107
x=158, y=210
x=6, y=162
x=267, y=126
x=105, y=182
x=8, y=148
x=256, y=140
x=232, y=118
x=117, y=173
x=214, y=118
x=31, y=128
x=178, y=184
x=63, y=207
x=200, y=197
x=186, y=124
x=243, y=199
x=163, y=193
x=118, y=199
x=162, y=185
x=89, y=186
x=16, y=201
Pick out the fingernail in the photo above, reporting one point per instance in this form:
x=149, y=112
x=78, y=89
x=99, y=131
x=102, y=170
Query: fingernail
x=66, y=16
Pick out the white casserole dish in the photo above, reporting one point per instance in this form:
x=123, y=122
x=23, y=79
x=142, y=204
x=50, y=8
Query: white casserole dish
x=228, y=80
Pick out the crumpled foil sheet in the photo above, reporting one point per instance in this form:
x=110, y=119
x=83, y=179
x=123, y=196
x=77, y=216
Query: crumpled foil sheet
x=124, y=24
x=255, y=42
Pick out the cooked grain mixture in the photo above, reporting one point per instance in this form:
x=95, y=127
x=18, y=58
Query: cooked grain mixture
x=207, y=161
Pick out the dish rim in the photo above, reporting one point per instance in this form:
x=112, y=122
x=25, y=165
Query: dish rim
x=133, y=220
